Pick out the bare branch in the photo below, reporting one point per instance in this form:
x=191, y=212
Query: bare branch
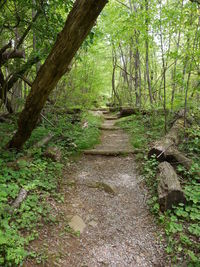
x=5, y=47
x=27, y=30
x=122, y=4
x=26, y=80
x=11, y=54
x=15, y=76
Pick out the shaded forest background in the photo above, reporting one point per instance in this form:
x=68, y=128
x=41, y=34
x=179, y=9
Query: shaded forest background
x=144, y=55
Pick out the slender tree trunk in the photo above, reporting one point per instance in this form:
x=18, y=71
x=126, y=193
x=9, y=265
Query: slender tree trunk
x=147, y=51
x=137, y=65
x=175, y=65
x=186, y=96
x=124, y=66
x=79, y=23
x=115, y=94
x=38, y=64
x=190, y=69
x=164, y=69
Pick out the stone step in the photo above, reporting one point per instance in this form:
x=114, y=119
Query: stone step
x=106, y=112
x=111, y=118
x=100, y=109
x=110, y=152
x=107, y=128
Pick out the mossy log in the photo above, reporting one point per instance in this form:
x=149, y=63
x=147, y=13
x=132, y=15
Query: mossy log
x=169, y=189
x=169, y=141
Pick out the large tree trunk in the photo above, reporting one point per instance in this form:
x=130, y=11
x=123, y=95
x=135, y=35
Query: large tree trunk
x=79, y=23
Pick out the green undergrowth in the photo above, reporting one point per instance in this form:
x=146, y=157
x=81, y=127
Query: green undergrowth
x=143, y=129
x=182, y=223
x=40, y=176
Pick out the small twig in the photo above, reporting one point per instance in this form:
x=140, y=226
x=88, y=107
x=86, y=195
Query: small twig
x=122, y=4
x=163, y=151
x=47, y=120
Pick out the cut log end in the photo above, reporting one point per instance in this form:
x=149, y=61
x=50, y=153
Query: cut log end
x=173, y=198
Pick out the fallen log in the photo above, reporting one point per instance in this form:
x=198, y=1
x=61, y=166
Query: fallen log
x=73, y=111
x=53, y=153
x=44, y=141
x=20, y=198
x=170, y=140
x=127, y=111
x=175, y=157
x=169, y=188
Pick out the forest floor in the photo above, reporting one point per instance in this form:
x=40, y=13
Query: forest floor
x=103, y=219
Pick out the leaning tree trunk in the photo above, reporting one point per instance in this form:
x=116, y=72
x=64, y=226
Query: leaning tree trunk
x=79, y=23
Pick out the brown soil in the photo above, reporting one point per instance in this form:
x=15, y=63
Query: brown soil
x=119, y=231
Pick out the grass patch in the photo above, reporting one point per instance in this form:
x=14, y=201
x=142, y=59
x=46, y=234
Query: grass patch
x=143, y=129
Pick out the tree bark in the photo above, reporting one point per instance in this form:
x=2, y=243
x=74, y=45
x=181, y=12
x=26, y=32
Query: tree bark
x=161, y=148
x=174, y=82
x=147, y=51
x=169, y=188
x=175, y=157
x=78, y=24
x=114, y=89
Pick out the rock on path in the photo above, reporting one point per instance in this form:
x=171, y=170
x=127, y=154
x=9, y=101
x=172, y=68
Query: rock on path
x=118, y=230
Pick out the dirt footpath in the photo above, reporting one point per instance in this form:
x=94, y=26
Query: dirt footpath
x=105, y=202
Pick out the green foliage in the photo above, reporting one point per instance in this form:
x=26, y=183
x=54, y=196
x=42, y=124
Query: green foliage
x=191, y=144
x=143, y=129
x=182, y=223
x=36, y=176
x=40, y=177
